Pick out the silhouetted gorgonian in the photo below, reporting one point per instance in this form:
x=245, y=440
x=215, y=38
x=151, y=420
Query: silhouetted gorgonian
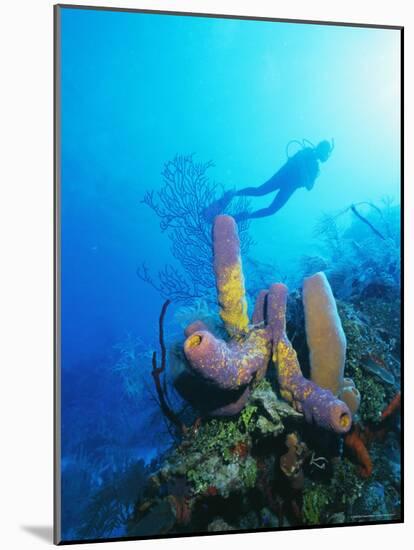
x=110, y=506
x=180, y=203
x=362, y=247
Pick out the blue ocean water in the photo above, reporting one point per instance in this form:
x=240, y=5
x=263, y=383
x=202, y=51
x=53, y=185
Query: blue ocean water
x=139, y=89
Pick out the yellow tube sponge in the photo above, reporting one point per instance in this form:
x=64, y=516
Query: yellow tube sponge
x=229, y=276
x=324, y=334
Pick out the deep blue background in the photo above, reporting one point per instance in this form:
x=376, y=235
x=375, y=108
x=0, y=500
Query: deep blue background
x=138, y=89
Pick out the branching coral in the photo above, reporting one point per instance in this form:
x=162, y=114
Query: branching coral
x=179, y=205
x=362, y=243
x=356, y=444
x=130, y=352
x=110, y=506
x=157, y=371
x=393, y=407
x=359, y=438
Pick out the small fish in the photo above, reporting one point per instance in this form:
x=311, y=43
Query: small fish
x=375, y=366
x=378, y=360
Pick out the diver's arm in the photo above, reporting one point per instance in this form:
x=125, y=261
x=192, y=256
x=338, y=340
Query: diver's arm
x=309, y=171
x=311, y=179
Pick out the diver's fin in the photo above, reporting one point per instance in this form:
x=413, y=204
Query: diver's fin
x=217, y=207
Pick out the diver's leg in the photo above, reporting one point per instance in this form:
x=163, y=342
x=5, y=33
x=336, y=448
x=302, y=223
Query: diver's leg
x=268, y=186
x=280, y=200
x=219, y=205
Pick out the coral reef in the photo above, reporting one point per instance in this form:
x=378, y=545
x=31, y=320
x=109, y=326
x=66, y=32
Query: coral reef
x=292, y=462
x=362, y=259
x=223, y=458
x=367, y=344
x=229, y=365
x=315, y=455
x=332, y=502
x=236, y=364
x=360, y=437
x=250, y=448
x=393, y=407
x=315, y=501
x=356, y=444
x=350, y=395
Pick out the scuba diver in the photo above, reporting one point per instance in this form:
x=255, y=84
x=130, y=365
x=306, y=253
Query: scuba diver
x=300, y=170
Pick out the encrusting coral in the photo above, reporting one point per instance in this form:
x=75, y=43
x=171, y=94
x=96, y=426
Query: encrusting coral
x=238, y=363
x=292, y=462
x=359, y=438
x=393, y=407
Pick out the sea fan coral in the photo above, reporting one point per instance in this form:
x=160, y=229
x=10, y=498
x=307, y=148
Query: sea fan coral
x=179, y=205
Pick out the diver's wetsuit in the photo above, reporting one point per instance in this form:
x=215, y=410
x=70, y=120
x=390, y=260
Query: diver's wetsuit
x=301, y=170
